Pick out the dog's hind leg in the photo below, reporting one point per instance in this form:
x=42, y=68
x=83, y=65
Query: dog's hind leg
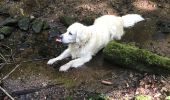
x=63, y=55
x=76, y=63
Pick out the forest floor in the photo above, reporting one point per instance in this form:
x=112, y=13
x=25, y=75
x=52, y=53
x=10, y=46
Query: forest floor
x=35, y=80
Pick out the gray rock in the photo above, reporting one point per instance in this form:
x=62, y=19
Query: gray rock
x=37, y=26
x=66, y=20
x=9, y=22
x=6, y=30
x=2, y=36
x=46, y=26
x=4, y=11
x=24, y=23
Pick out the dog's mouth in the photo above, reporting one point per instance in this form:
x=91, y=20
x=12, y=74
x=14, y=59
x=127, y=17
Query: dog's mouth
x=58, y=40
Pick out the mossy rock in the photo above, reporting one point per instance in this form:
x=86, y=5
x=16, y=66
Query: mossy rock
x=24, y=23
x=4, y=10
x=141, y=97
x=88, y=20
x=37, y=25
x=46, y=26
x=9, y=22
x=66, y=20
x=129, y=56
x=6, y=30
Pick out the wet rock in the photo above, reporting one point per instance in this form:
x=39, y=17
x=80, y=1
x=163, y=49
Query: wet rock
x=66, y=20
x=9, y=22
x=141, y=97
x=24, y=23
x=37, y=26
x=2, y=36
x=6, y=30
x=88, y=20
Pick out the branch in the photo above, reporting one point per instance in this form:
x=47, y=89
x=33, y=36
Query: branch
x=3, y=58
x=7, y=93
x=6, y=76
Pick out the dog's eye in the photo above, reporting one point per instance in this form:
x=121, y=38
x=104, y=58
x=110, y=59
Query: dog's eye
x=70, y=33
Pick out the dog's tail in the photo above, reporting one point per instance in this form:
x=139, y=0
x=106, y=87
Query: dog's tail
x=130, y=19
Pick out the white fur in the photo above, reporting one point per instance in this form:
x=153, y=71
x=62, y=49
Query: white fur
x=86, y=41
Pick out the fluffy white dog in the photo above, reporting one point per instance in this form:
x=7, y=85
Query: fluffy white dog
x=85, y=41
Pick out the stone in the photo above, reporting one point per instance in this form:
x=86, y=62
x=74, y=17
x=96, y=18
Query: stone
x=24, y=23
x=66, y=20
x=46, y=26
x=6, y=30
x=37, y=25
x=9, y=22
x=4, y=11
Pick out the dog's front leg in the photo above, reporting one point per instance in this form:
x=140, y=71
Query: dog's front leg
x=76, y=63
x=63, y=55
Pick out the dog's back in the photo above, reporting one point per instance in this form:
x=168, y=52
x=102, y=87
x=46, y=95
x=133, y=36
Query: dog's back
x=114, y=25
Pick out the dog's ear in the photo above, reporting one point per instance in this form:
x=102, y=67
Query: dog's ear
x=83, y=37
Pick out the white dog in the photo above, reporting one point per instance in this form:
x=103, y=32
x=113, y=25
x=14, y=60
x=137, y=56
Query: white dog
x=85, y=41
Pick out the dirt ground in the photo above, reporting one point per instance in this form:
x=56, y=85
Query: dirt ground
x=34, y=80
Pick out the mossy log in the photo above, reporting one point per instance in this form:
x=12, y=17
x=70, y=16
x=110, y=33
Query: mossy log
x=130, y=56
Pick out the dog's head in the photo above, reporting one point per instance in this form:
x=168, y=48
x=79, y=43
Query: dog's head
x=75, y=34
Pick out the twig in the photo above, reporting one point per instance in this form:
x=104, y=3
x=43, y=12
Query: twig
x=9, y=63
x=2, y=65
x=6, y=76
x=7, y=93
x=11, y=51
x=3, y=58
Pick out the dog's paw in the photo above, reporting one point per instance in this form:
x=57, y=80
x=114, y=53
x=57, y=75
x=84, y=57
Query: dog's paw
x=64, y=68
x=51, y=61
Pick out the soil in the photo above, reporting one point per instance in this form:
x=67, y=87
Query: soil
x=35, y=80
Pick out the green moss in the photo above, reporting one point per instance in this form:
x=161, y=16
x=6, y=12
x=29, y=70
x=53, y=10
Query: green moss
x=167, y=98
x=141, y=97
x=132, y=57
x=6, y=30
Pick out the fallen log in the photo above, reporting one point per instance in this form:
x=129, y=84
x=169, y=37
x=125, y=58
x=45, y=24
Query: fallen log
x=130, y=56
